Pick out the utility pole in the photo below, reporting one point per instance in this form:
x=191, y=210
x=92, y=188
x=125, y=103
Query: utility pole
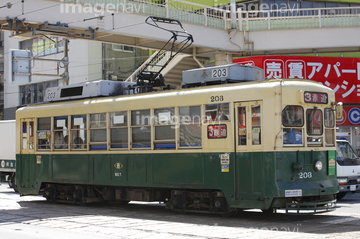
x=65, y=75
x=233, y=14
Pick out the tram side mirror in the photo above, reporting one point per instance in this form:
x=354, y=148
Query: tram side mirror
x=339, y=110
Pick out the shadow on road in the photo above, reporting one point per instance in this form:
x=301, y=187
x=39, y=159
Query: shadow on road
x=38, y=209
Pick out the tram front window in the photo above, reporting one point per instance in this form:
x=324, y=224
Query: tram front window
x=293, y=121
x=329, y=122
x=314, y=126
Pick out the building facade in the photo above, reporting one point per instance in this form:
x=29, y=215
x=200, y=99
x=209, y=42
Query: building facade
x=87, y=61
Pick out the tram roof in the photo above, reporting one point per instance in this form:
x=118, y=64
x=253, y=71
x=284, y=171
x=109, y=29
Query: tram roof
x=157, y=99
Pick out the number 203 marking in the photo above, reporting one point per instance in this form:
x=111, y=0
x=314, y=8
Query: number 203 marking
x=217, y=98
x=305, y=175
x=217, y=73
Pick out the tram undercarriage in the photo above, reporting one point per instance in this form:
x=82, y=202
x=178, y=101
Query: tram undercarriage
x=183, y=201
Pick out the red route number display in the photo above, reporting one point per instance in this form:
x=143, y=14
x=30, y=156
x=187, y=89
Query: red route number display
x=217, y=131
x=314, y=97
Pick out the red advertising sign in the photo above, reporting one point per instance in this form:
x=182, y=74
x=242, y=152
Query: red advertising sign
x=351, y=116
x=217, y=131
x=339, y=73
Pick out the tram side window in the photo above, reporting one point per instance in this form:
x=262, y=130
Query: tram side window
x=140, y=129
x=217, y=112
x=293, y=121
x=25, y=135
x=190, y=126
x=314, y=124
x=98, y=135
x=256, y=124
x=118, y=130
x=44, y=133
x=61, y=132
x=329, y=122
x=78, y=132
x=164, y=128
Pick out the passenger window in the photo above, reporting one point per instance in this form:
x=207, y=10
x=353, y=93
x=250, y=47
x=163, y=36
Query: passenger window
x=293, y=120
x=164, y=128
x=329, y=122
x=78, y=132
x=44, y=133
x=217, y=112
x=28, y=138
x=190, y=126
x=256, y=124
x=24, y=136
x=118, y=130
x=61, y=132
x=98, y=135
x=140, y=129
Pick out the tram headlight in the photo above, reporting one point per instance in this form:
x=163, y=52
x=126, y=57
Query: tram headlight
x=318, y=166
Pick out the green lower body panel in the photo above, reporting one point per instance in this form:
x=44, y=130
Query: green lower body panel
x=247, y=180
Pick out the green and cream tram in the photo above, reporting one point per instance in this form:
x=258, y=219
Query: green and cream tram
x=252, y=145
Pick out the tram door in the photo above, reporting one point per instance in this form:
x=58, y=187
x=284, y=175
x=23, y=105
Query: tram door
x=249, y=155
x=249, y=126
x=27, y=153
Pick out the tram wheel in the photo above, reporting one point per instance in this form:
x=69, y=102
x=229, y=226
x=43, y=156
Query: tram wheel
x=12, y=183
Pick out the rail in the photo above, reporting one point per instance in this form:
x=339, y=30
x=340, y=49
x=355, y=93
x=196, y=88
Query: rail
x=282, y=19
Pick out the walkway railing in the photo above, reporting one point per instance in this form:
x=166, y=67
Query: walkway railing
x=299, y=18
x=198, y=14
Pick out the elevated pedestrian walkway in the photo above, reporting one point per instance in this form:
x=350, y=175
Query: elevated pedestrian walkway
x=292, y=31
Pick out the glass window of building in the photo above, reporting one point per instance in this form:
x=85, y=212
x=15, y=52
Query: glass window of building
x=120, y=61
x=34, y=93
